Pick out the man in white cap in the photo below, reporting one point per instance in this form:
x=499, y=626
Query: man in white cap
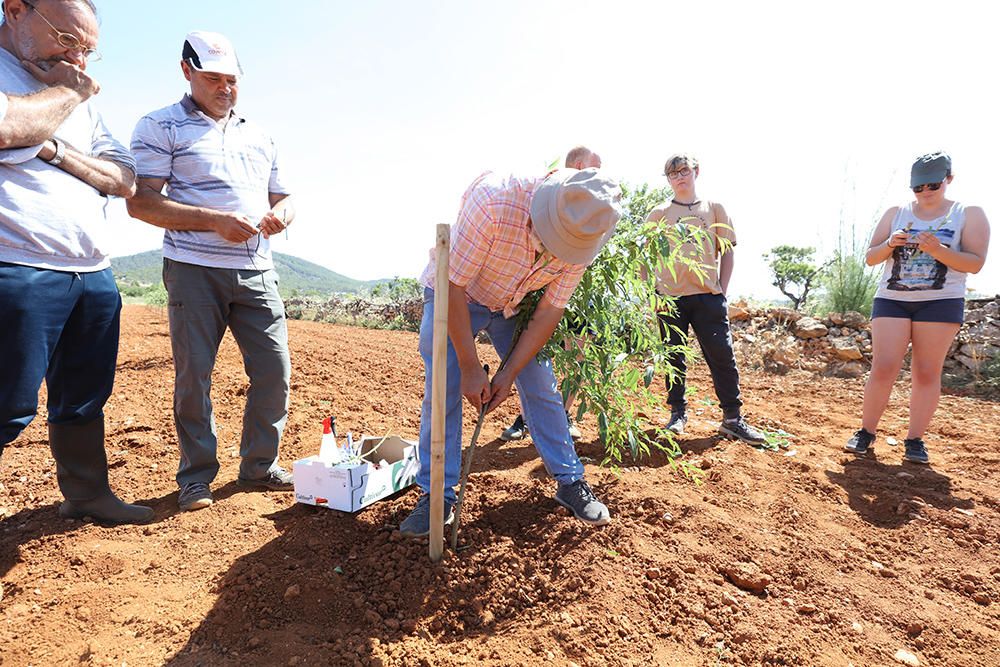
x=225, y=198
x=59, y=302
x=514, y=236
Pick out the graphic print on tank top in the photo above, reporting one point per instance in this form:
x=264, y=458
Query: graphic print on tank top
x=916, y=271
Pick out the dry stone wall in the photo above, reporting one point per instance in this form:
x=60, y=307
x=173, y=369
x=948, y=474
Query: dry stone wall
x=840, y=344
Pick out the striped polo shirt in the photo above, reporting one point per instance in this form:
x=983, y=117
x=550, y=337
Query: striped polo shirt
x=230, y=167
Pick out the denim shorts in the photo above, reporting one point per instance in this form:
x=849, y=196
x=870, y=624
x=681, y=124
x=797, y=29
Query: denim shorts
x=935, y=310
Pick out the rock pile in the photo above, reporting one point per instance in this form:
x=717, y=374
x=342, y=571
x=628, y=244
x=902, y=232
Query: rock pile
x=840, y=344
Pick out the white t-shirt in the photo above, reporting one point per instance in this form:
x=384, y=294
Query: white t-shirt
x=50, y=219
x=912, y=275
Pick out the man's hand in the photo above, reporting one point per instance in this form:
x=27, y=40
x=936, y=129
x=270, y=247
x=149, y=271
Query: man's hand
x=234, y=228
x=502, y=383
x=271, y=224
x=476, y=386
x=66, y=75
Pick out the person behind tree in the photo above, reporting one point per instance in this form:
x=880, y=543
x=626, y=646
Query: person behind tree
x=579, y=157
x=700, y=297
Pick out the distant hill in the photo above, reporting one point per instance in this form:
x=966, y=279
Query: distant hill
x=297, y=275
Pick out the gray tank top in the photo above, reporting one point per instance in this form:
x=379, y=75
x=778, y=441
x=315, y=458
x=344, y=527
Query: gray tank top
x=911, y=275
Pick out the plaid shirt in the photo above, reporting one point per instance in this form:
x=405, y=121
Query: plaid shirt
x=491, y=253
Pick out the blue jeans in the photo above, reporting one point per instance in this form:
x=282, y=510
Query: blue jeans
x=203, y=302
x=540, y=399
x=61, y=327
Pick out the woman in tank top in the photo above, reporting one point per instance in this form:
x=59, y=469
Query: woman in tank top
x=928, y=247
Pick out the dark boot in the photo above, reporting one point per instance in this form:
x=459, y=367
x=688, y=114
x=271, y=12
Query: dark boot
x=82, y=471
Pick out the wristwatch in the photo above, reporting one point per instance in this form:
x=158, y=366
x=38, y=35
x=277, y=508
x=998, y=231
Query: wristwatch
x=60, y=153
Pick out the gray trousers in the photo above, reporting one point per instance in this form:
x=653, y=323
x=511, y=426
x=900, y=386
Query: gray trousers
x=204, y=301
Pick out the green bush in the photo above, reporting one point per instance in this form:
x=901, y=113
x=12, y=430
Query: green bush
x=849, y=284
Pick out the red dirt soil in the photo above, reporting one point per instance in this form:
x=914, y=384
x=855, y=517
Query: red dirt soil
x=816, y=558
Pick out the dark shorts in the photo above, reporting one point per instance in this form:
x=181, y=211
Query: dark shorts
x=936, y=310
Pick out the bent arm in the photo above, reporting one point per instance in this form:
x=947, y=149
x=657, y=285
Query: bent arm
x=975, y=243
x=105, y=175
x=150, y=205
x=31, y=119
x=879, y=249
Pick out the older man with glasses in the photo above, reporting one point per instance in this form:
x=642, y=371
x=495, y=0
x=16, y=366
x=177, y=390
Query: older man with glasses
x=58, y=166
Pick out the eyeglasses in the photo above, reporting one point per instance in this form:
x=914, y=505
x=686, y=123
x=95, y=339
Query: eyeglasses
x=933, y=187
x=67, y=40
x=682, y=173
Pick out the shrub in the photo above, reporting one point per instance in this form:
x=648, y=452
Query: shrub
x=611, y=366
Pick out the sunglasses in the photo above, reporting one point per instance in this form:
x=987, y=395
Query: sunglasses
x=933, y=187
x=67, y=40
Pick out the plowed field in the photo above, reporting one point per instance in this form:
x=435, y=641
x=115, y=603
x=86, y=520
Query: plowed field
x=809, y=558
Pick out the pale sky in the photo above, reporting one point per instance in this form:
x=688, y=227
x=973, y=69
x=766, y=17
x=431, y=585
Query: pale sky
x=384, y=111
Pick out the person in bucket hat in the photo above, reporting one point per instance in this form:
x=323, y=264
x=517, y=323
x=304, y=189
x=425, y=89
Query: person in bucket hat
x=513, y=236
x=578, y=157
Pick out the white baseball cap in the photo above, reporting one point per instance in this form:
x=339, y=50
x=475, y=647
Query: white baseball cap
x=211, y=52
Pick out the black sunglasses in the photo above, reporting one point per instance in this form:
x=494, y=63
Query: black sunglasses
x=933, y=187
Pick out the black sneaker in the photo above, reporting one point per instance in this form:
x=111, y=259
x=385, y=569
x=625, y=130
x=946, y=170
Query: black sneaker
x=517, y=431
x=194, y=496
x=738, y=428
x=916, y=451
x=418, y=524
x=277, y=479
x=678, y=420
x=861, y=442
x=579, y=499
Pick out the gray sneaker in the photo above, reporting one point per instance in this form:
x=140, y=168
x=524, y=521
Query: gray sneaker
x=581, y=501
x=741, y=430
x=418, y=524
x=516, y=431
x=678, y=420
x=194, y=496
x=277, y=479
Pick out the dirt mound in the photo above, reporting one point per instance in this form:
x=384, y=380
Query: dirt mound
x=804, y=557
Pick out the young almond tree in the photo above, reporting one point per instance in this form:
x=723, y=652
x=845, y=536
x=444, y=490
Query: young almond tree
x=607, y=348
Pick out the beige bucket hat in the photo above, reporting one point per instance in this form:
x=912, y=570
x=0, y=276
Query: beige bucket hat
x=574, y=213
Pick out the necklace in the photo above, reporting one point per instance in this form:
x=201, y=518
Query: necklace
x=689, y=206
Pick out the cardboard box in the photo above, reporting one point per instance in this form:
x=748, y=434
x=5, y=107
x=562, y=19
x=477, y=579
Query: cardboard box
x=350, y=487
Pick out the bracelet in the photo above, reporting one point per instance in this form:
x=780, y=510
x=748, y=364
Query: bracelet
x=60, y=153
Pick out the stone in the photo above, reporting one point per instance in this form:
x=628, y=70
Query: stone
x=982, y=351
x=857, y=627
x=654, y=573
x=738, y=313
x=808, y=327
x=855, y=320
x=846, y=349
x=747, y=576
x=836, y=319
x=983, y=333
x=807, y=608
x=914, y=628
x=906, y=658
x=787, y=315
x=848, y=369
x=292, y=592
x=969, y=362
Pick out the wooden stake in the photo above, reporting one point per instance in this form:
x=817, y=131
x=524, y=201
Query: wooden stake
x=439, y=386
